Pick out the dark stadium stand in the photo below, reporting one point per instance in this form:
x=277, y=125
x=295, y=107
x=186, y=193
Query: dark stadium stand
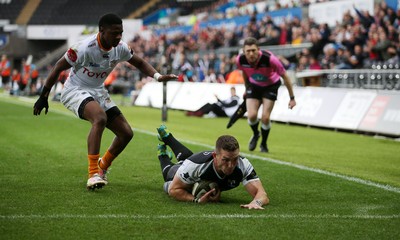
x=11, y=9
x=72, y=12
x=376, y=68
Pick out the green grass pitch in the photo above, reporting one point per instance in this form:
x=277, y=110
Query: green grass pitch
x=322, y=184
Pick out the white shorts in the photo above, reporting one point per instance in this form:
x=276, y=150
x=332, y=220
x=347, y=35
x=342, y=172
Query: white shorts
x=73, y=96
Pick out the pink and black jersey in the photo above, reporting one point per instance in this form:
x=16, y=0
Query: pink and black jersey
x=266, y=72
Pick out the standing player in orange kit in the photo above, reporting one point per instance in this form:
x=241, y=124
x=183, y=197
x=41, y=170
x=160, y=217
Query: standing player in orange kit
x=91, y=61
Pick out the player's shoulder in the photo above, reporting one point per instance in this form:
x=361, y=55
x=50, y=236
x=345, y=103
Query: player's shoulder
x=201, y=157
x=87, y=43
x=242, y=61
x=244, y=162
x=122, y=45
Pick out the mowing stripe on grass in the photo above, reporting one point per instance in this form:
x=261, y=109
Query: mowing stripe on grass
x=204, y=216
x=25, y=101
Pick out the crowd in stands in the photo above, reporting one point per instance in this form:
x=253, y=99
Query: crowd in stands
x=22, y=80
x=361, y=40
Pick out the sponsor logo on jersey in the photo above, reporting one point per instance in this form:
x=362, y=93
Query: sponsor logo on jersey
x=94, y=74
x=207, y=153
x=71, y=54
x=232, y=183
x=185, y=175
x=259, y=77
x=92, y=44
x=106, y=56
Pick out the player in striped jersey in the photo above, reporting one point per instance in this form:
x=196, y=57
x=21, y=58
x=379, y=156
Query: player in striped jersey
x=223, y=165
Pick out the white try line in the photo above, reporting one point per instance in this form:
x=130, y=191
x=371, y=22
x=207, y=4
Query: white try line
x=298, y=166
x=204, y=216
x=316, y=170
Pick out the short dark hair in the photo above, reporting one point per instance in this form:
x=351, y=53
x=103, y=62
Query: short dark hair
x=227, y=143
x=109, y=19
x=250, y=41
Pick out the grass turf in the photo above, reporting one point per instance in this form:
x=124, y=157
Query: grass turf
x=43, y=178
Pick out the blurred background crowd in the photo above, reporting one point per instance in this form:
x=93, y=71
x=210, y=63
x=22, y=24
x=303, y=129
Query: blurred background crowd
x=361, y=40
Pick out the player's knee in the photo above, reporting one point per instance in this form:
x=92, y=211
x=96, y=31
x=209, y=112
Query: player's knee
x=252, y=117
x=100, y=121
x=265, y=121
x=127, y=135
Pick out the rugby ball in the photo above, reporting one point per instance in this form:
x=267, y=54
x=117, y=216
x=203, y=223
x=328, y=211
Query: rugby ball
x=202, y=187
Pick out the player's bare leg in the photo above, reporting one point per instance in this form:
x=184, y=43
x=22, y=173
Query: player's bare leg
x=123, y=135
x=98, y=119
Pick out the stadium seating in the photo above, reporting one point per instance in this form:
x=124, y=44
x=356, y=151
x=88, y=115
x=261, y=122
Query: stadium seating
x=71, y=12
x=10, y=9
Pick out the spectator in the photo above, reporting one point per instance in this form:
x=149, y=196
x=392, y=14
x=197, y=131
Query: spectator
x=199, y=68
x=34, y=76
x=343, y=58
x=5, y=71
x=381, y=46
x=357, y=59
x=222, y=108
x=329, y=58
x=25, y=76
x=185, y=70
x=393, y=56
x=15, y=82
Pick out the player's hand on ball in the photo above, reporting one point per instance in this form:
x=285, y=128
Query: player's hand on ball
x=206, y=191
x=211, y=196
x=215, y=196
x=39, y=105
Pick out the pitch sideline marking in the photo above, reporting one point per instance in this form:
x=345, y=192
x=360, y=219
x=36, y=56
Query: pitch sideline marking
x=298, y=166
x=204, y=216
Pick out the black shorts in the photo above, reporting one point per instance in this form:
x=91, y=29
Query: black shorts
x=269, y=92
x=5, y=79
x=112, y=113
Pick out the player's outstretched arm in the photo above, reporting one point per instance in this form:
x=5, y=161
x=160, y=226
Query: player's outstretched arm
x=146, y=68
x=42, y=102
x=257, y=191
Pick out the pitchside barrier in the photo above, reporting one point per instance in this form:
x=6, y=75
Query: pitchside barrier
x=361, y=110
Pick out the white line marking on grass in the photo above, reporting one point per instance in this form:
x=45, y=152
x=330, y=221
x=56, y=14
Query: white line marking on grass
x=316, y=170
x=204, y=216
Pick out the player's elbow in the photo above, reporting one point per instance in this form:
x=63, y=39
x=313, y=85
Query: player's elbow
x=175, y=193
